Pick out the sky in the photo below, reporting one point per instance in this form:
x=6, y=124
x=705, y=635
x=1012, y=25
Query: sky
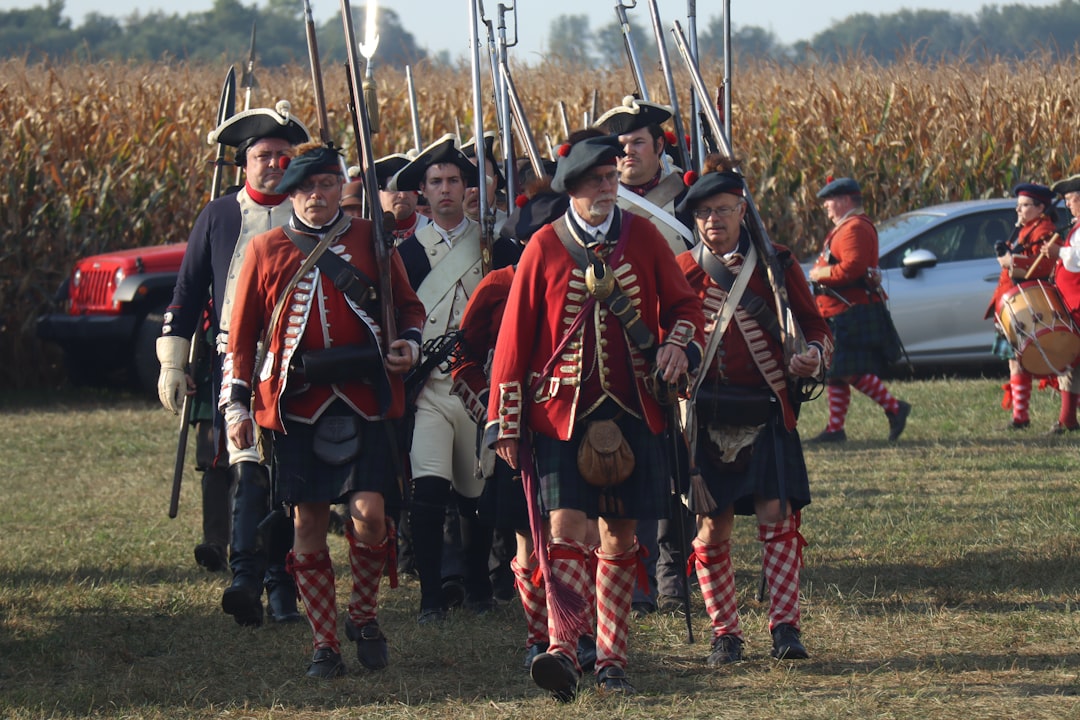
x=439, y=25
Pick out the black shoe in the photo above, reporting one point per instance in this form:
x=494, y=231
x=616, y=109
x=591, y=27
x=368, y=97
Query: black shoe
x=1018, y=425
x=898, y=420
x=612, y=681
x=211, y=556
x=555, y=673
x=786, y=644
x=586, y=652
x=326, y=665
x=244, y=603
x=725, y=649
x=829, y=436
x=453, y=593
x=531, y=652
x=640, y=609
x=431, y=616
x=372, y=650
x=281, y=604
x=670, y=604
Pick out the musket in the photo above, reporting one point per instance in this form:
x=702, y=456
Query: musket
x=316, y=76
x=382, y=238
x=673, y=98
x=414, y=113
x=503, y=101
x=631, y=49
x=565, y=119
x=791, y=337
x=226, y=108
x=697, y=144
x=486, y=215
x=725, y=89
x=528, y=142
x=248, y=82
x=371, y=42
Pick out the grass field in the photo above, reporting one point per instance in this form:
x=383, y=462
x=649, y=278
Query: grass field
x=941, y=581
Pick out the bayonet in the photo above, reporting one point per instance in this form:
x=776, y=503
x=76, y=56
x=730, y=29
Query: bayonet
x=371, y=43
x=248, y=82
x=414, y=113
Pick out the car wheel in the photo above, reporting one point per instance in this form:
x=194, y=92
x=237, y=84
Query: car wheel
x=144, y=353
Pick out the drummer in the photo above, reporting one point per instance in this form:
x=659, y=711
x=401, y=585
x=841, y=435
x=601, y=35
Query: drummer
x=1022, y=259
x=1067, y=280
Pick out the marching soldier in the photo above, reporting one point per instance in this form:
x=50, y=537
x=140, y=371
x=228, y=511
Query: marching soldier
x=215, y=251
x=443, y=260
x=325, y=383
x=598, y=314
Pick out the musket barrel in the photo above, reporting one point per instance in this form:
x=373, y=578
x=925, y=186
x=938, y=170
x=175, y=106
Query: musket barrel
x=673, y=97
x=486, y=232
x=414, y=113
x=631, y=49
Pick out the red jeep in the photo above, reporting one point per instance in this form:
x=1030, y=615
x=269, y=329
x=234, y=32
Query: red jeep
x=112, y=312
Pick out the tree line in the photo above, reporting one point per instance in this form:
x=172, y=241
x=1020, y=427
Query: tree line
x=1005, y=31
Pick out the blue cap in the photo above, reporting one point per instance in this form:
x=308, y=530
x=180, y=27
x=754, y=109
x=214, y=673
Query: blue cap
x=840, y=186
x=582, y=156
x=1040, y=193
x=710, y=184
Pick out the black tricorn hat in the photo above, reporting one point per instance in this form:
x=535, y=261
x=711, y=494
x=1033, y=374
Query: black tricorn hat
x=577, y=159
x=709, y=184
x=388, y=166
x=244, y=128
x=442, y=151
x=469, y=149
x=1068, y=185
x=318, y=160
x=534, y=213
x=839, y=186
x=632, y=115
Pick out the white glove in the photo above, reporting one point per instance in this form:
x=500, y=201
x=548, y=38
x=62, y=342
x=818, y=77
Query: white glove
x=172, y=353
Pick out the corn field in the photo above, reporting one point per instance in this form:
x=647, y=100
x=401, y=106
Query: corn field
x=106, y=156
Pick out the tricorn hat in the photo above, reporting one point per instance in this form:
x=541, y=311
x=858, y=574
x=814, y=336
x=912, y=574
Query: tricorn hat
x=317, y=160
x=243, y=129
x=390, y=165
x=709, y=184
x=839, y=186
x=577, y=159
x=1068, y=185
x=632, y=115
x=442, y=151
x=1042, y=194
x=469, y=149
x=534, y=213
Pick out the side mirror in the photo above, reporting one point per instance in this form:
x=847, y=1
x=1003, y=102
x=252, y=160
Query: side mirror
x=916, y=260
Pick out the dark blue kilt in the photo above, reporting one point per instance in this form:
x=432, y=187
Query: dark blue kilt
x=300, y=476
x=641, y=496
x=776, y=469
x=865, y=341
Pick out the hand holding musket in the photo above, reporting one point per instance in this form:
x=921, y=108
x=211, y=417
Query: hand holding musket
x=383, y=239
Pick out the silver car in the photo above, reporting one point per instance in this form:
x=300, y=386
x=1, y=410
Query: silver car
x=939, y=269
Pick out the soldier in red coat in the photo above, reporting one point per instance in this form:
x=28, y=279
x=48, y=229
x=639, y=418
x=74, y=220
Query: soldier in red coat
x=598, y=309
x=847, y=283
x=325, y=382
x=1022, y=258
x=747, y=448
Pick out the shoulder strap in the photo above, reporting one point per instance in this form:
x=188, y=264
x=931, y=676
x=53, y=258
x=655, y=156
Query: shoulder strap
x=350, y=280
x=449, y=270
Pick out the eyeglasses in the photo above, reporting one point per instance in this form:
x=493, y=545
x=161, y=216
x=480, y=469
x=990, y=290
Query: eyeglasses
x=324, y=186
x=705, y=213
x=595, y=180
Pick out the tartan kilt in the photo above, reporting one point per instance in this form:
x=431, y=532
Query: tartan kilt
x=865, y=341
x=776, y=469
x=642, y=496
x=300, y=476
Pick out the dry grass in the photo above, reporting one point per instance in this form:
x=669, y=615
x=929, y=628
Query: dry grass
x=107, y=155
x=941, y=581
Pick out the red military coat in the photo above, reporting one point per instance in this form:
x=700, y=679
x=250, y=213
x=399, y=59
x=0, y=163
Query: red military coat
x=748, y=356
x=850, y=249
x=1026, y=251
x=316, y=316
x=480, y=329
x=600, y=361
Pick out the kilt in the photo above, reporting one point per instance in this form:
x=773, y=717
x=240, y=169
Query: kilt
x=776, y=469
x=865, y=341
x=502, y=502
x=643, y=495
x=300, y=476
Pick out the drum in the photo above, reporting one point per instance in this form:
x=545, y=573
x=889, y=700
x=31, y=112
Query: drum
x=1039, y=327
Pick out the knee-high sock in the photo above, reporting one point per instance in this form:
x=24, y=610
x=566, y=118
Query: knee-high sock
x=591, y=563
x=1020, y=384
x=427, y=514
x=568, y=566
x=533, y=596
x=781, y=552
x=615, y=578
x=1067, y=418
x=873, y=388
x=839, y=399
x=314, y=576
x=717, y=581
x=367, y=563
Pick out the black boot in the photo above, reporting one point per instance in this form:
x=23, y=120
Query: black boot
x=251, y=503
x=476, y=538
x=212, y=552
x=426, y=516
x=281, y=593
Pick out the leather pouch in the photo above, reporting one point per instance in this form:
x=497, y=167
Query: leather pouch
x=604, y=457
x=337, y=439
